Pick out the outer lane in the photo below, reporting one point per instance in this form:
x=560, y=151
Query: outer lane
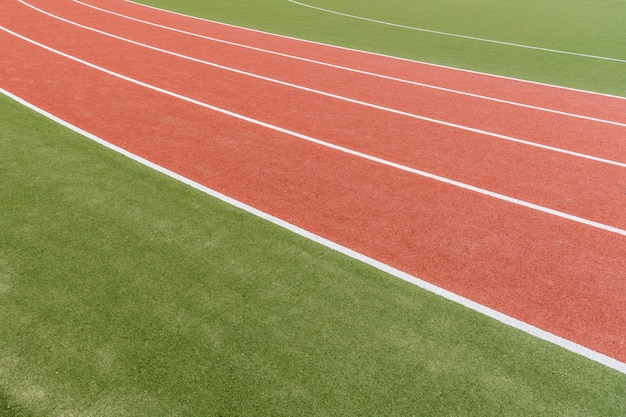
x=591, y=104
x=551, y=129
x=464, y=242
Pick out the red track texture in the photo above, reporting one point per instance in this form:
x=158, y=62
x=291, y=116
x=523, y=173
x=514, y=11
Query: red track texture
x=559, y=275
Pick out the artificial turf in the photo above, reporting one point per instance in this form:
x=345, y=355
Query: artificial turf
x=126, y=293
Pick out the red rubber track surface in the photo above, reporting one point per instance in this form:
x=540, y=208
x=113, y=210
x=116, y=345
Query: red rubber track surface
x=564, y=277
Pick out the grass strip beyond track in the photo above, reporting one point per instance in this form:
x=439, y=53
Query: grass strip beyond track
x=516, y=45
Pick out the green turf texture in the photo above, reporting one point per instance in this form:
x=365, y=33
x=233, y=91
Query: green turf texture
x=125, y=293
x=582, y=26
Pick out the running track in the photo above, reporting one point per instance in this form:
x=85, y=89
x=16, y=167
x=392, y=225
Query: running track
x=505, y=192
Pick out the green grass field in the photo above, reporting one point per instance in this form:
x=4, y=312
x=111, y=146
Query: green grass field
x=126, y=293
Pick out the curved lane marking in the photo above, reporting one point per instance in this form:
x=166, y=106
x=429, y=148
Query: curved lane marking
x=335, y=147
x=503, y=77
x=368, y=73
x=454, y=35
x=465, y=302
x=342, y=98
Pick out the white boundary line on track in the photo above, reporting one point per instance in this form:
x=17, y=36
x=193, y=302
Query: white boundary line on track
x=503, y=77
x=332, y=146
x=496, y=315
x=338, y=97
x=454, y=35
x=368, y=73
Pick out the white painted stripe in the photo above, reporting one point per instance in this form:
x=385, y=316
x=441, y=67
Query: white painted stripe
x=347, y=151
x=368, y=73
x=454, y=35
x=496, y=315
x=342, y=98
x=559, y=87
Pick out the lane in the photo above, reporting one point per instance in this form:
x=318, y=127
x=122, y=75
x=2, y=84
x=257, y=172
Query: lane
x=579, y=135
x=582, y=188
x=324, y=64
x=558, y=275
x=591, y=104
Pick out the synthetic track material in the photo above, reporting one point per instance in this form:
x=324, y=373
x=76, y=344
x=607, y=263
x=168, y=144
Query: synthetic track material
x=563, y=277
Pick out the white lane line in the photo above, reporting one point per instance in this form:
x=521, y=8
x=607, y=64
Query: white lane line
x=454, y=35
x=430, y=64
x=472, y=305
x=320, y=142
x=368, y=73
x=342, y=98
